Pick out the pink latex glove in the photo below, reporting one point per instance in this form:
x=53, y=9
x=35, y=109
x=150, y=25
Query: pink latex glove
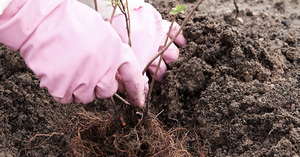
x=72, y=50
x=148, y=34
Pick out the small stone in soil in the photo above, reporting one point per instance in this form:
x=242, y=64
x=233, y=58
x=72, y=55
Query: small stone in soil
x=286, y=23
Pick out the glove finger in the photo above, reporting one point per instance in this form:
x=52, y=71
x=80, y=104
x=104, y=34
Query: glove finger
x=146, y=85
x=180, y=40
x=133, y=81
x=80, y=95
x=64, y=100
x=121, y=88
x=171, y=54
x=83, y=93
x=106, y=87
x=161, y=71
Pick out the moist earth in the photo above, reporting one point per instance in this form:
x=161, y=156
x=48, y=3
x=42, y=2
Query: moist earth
x=235, y=86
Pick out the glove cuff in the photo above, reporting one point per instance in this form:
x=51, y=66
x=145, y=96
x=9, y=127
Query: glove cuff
x=3, y=5
x=20, y=19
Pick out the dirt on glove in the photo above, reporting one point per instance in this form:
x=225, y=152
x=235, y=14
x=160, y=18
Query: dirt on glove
x=234, y=91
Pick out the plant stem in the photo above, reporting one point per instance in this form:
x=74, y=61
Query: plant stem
x=125, y=11
x=129, y=24
x=237, y=11
x=113, y=12
x=96, y=5
x=161, y=52
x=114, y=5
x=158, y=66
x=123, y=100
x=175, y=36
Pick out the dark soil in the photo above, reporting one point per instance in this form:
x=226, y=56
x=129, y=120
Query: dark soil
x=234, y=86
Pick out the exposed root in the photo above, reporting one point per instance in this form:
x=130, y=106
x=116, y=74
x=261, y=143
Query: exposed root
x=128, y=134
x=103, y=135
x=43, y=143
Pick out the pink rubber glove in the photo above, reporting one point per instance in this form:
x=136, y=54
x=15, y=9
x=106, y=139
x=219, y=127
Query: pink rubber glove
x=72, y=50
x=148, y=34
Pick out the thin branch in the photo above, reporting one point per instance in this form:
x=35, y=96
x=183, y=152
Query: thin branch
x=123, y=100
x=123, y=10
x=161, y=52
x=176, y=35
x=96, y=5
x=237, y=12
x=113, y=12
x=129, y=23
x=158, y=66
x=115, y=4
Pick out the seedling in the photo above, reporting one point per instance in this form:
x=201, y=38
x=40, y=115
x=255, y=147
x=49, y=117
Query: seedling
x=178, y=9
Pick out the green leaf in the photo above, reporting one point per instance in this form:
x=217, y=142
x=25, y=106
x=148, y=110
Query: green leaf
x=178, y=9
x=182, y=7
x=116, y=2
x=173, y=12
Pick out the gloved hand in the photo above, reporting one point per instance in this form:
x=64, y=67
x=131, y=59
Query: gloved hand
x=72, y=50
x=148, y=34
